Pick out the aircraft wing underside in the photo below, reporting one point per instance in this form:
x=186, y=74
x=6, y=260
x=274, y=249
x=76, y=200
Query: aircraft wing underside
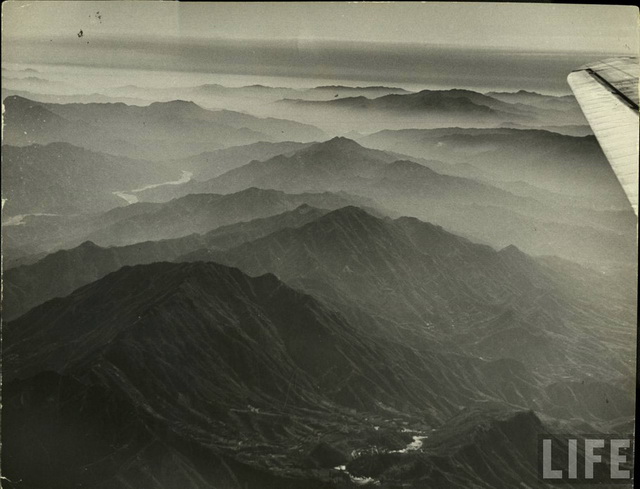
x=607, y=92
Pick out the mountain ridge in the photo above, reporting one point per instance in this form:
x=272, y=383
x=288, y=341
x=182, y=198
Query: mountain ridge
x=161, y=130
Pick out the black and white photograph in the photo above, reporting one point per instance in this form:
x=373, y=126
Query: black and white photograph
x=319, y=245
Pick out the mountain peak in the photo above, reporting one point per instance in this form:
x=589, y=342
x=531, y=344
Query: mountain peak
x=348, y=213
x=257, y=192
x=178, y=102
x=168, y=281
x=88, y=245
x=410, y=166
x=173, y=105
x=511, y=250
x=18, y=103
x=332, y=147
x=514, y=253
x=304, y=209
x=340, y=142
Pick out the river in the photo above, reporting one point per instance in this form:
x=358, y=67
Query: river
x=416, y=444
x=129, y=196
x=18, y=220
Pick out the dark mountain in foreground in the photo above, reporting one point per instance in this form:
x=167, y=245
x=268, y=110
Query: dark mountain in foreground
x=196, y=375
x=162, y=130
x=62, y=272
x=61, y=178
x=498, y=442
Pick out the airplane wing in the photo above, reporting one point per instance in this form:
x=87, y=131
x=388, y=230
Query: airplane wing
x=607, y=92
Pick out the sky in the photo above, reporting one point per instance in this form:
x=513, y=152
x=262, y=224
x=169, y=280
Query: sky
x=408, y=42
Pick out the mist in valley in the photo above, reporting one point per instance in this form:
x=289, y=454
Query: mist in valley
x=322, y=256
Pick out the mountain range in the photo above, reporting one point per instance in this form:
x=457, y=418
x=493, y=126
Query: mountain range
x=461, y=101
x=414, y=273
x=244, y=97
x=263, y=369
x=61, y=272
x=480, y=207
x=267, y=287
x=343, y=164
x=409, y=274
x=62, y=178
x=214, y=163
x=195, y=213
x=565, y=103
x=174, y=129
x=439, y=108
x=559, y=163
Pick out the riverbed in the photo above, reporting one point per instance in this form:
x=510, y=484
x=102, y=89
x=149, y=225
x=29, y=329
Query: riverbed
x=131, y=198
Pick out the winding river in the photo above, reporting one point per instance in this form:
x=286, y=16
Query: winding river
x=416, y=444
x=129, y=196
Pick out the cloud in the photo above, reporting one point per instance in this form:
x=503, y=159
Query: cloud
x=373, y=62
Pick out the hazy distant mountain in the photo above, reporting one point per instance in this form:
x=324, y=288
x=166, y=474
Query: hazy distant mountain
x=62, y=272
x=35, y=84
x=431, y=109
x=567, y=103
x=209, y=94
x=325, y=92
x=538, y=220
x=329, y=92
x=255, y=99
x=461, y=103
x=198, y=213
x=468, y=206
x=214, y=163
x=412, y=179
x=333, y=164
x=576, y=130
x=562, y=164
x=92, y=98
x=61, y=178
x=330, y=164
x=343, y=164
x=173, y=129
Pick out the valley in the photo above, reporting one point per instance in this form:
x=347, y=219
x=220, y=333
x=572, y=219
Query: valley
x=242, y=260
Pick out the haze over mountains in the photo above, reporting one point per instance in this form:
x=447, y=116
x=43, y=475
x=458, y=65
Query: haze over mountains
x=226, y=286
x=438, y=108
x=463, y=204
x=62, y=178
x=171, y=129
